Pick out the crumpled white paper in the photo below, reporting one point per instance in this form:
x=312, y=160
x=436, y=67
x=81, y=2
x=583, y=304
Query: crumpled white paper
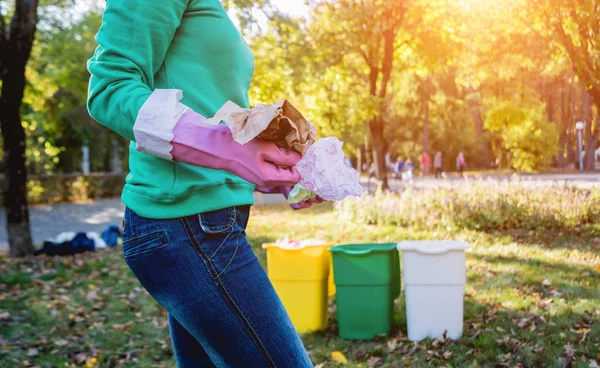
x=324, y=172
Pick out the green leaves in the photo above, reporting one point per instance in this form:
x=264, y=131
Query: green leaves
x=526, y=135
x=574, y=26
x=505, y=116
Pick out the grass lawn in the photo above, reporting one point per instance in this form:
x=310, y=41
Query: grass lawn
x=533, y=300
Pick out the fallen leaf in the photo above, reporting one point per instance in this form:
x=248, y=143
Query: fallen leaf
x=61, y=342
x=569, y=358
x=438, y=342
x=372, y=362
x=585, y=332
x=79, y=358
x=122, y=327
x=91, y=363
x=539, y=350
x=320, y=365
x=91, y=296
x=547, y=283
x=555, y=292
x=339, y=357
x=32, y=352
x=447, y=355
x=392, y=345
x=414, y=349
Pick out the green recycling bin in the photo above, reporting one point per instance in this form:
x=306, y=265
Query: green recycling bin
x=367, y=279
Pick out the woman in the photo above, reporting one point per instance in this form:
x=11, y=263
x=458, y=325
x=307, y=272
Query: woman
x=425, y=163
x=461, y=163
x=191, y=186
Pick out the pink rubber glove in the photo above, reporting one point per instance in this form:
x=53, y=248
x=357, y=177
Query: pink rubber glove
x=259, y=162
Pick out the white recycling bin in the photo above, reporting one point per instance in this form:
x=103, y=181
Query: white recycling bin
x=434, y=275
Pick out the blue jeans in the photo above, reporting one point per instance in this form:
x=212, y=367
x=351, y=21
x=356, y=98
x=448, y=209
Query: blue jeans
x=223, y=310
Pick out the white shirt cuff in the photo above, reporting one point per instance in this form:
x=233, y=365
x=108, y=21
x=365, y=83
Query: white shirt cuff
x=153, y=128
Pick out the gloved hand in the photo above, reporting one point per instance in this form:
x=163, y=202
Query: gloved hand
x=260, y=162
x=285, y=190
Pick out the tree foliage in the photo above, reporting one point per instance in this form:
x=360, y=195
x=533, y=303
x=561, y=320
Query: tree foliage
x=385, y=76
x=452, y=62
x=527, y=136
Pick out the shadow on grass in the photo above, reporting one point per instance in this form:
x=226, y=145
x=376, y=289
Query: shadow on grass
x=575, y=281
x=492, y=336
x=582, y=238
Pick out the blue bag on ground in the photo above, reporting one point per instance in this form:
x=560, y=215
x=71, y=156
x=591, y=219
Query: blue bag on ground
x=111, y=236
x=79, y=244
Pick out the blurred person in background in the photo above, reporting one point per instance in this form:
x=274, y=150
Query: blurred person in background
x=461, y=163
x=425, y=162
x=437, y=164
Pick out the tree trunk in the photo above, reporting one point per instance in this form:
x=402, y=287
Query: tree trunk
x=550, y=102
x=588, y=134
x=595, y=95
x=591, y=142
x=572, y=135
x=478, y=121
x=379, y=151
x=360, y=157
x=368, y=149
x=426, y=124
x=12, y=66
x=550, y=97
x=563, y=138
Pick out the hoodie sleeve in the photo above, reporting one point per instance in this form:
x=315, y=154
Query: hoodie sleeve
x=132, y=43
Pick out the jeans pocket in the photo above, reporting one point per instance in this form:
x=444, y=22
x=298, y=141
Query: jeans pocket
x=144, y=244
x=217, y=222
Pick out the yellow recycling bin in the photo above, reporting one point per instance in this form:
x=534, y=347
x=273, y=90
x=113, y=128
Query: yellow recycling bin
x=302, y=278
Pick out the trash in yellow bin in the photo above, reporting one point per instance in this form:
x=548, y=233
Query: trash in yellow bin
x=300, y=273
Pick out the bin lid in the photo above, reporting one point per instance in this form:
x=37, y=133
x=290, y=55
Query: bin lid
x=297, y=245
x=432, y=246
x=361, y=249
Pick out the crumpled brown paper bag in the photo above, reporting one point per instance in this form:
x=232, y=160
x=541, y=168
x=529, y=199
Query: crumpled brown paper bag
x=280, y=123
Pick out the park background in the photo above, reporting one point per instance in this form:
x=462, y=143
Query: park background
x=505, y=82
